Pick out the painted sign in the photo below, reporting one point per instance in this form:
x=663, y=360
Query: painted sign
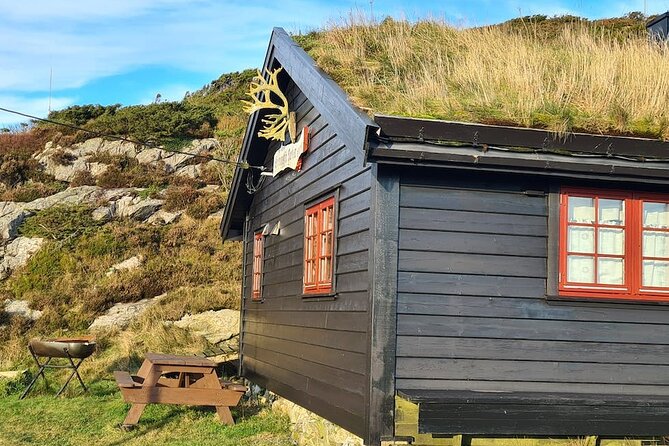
x=289, y=156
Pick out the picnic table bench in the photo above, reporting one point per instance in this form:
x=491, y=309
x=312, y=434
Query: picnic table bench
x=172, y=379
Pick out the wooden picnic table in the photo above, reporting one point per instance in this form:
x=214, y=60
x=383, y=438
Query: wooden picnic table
x=172, y=379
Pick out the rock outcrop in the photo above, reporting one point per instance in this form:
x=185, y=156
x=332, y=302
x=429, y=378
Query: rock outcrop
x=65, y=162
x=126, y=265
x=137, y=208
x=122, y=314
x=214, y=326
x=163, y=217
x=21, y=308
x=17, y=253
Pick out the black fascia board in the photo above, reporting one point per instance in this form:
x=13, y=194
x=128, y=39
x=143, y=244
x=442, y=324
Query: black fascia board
x=541, y=164
x=397, y=128
x=659, y=18
x=351, y=124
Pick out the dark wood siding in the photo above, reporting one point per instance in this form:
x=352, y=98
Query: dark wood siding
x=472, y=306
x=312, y=350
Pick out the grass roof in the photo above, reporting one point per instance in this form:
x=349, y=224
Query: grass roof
x=562, y=74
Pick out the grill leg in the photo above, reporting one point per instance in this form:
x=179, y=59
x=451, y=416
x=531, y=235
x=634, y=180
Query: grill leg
x=39, y=372
x=75, y=371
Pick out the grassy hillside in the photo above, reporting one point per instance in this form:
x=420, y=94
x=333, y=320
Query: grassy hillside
x=563, y=74
x=67, y=279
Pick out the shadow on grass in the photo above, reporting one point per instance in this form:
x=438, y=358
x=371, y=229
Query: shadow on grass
x=145, y=428
x=129, y=363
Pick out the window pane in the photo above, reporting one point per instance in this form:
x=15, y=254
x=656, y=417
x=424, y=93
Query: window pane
x=330, y=219
x=610, y=271
x=580, y=269
x=581, y=210
x=656, y=215
x=655, y=244
x=655, y=273
x=611, y=212
x=581, y=239
x=611, y=241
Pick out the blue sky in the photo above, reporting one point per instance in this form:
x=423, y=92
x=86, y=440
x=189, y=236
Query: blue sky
x=127, y=51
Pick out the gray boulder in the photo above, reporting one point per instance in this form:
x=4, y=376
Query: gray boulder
x=190, y=171
x=69, y=197
x=10, y=220
x=17, y=253
x=137, y=208
x=214, y=326
x=121, y=315
x=163, y=217
x=22, y=309
x=104, y=213
x=176, y=160
x=126, y=265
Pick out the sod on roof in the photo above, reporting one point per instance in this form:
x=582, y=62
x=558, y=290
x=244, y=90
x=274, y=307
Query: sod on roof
x=562, y=74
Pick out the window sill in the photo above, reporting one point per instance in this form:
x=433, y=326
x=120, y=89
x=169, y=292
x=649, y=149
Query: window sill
x=650, y=300
x=321, y=297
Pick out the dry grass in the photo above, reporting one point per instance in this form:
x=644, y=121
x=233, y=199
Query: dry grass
x=68, y=281
x=582, y=79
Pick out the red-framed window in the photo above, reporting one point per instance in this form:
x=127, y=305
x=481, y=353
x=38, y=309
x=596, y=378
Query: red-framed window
x=319, y=229
x=258, y=251
x=614, y=245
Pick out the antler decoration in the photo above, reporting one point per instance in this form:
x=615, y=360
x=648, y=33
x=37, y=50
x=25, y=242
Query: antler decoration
x=275, y=124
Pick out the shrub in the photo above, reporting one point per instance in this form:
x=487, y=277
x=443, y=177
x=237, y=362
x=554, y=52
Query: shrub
x=62, y=157
x=83, y=178
x=103, y=242
x=39, y=273
x=82, y=114
x=60, y=223
x=32, y=191
x=127, y=172
x=205, y=205
x=155, y=121
x=111, y=178
x=179, y=197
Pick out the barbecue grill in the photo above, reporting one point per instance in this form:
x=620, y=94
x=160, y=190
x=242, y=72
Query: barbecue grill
x=73, y=350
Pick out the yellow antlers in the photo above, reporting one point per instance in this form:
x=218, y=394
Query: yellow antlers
x=275, y=124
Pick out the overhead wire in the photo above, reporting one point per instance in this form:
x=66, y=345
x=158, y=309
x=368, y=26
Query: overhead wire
x=242, y=165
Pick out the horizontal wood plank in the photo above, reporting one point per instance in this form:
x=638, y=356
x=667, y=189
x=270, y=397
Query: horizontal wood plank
x=547, y=330
x=466, y=284
x=474, y=222
x=466, y=200
x=528, y=308
x=536, y=371
x=425, y=347
x=445, y=241
x=462, y=263
x=439, y=385
x=340, y=359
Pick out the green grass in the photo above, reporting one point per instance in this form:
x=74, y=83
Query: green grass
x=94, y=419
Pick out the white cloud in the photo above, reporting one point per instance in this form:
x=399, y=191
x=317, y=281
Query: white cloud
x=83, y=40
x=31, y=106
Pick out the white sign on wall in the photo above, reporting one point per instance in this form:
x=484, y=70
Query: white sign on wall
x=290, y=155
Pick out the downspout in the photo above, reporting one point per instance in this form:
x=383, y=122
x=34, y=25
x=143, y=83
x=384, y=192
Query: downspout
x=242, y=306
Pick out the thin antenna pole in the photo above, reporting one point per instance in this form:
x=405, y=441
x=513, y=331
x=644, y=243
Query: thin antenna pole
x=50, y=85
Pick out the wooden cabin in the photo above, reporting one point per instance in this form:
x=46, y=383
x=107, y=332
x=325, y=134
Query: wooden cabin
x=505, y=281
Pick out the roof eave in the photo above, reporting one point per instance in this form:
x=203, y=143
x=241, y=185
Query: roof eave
x=351, y=124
